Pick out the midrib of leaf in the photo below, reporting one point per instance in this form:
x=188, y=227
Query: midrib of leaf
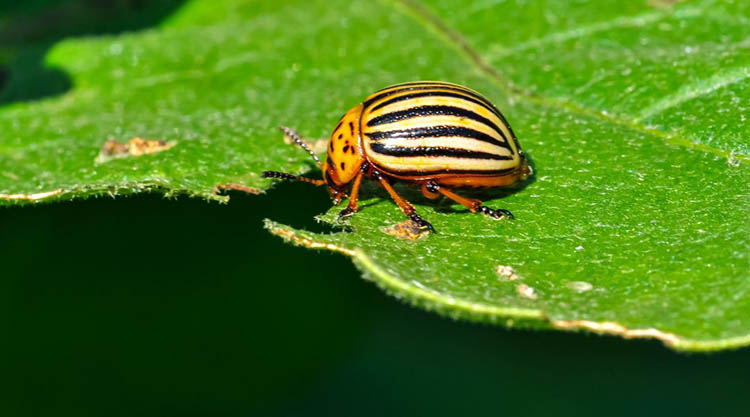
x=455, y=40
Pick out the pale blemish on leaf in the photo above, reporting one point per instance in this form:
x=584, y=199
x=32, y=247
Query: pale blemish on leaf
x=113, y=149
x=406, y=230
x=505, y=272
x=579, y=286
x=526, y=291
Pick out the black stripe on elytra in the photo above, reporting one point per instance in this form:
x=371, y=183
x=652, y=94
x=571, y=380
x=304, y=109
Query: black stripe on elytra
x=422, y=111
x=437, y=132
x=478, y=99
x=431, y=87
x=436, y=94
x=437, y=151
x=489, y=172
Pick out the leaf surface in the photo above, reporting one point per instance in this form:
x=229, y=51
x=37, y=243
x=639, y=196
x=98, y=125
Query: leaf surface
x=635, y=223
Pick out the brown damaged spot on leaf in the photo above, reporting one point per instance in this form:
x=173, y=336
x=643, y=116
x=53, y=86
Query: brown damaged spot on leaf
x=31, y=197
x=406, y=230
x=113, y=149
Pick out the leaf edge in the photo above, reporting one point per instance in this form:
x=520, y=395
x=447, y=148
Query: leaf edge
x=509, y=317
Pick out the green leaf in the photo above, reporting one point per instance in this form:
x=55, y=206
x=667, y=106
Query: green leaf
x=634, y=115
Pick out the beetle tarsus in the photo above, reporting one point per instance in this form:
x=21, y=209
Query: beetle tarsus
x=496, y=214
x=347, y=212
x=422, y=223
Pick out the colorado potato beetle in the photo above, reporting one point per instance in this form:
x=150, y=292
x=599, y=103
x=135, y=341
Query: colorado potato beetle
x=430, y=134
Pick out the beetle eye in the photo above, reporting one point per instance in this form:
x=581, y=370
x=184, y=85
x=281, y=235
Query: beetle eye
x=329, y=179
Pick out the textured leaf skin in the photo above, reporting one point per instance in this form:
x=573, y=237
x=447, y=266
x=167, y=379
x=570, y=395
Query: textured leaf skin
x=633, y=116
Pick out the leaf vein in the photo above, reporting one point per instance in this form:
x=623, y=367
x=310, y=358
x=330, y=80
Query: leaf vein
x=458, y=42
x=696, y=89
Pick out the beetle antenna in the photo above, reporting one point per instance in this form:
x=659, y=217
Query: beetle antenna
x=294, y=136
x=285, y=176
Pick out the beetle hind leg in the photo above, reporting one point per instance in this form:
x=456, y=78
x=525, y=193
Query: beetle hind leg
x=474, y=205
x=405, y=206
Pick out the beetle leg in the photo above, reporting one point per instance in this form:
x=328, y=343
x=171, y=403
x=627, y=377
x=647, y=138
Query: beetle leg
x=235, y=187
x=405, y=206
x=352, y=207
x=430, y=190
x=285, y=176
x=474, y=205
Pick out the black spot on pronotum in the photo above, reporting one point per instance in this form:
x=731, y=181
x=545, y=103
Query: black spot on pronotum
x=343, y=166
x=341, y=135
x=346, y=148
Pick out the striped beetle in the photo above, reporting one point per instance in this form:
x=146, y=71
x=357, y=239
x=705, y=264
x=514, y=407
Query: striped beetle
x=431, y=134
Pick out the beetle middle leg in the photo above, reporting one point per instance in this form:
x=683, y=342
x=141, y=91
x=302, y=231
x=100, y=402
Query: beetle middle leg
x=431, y=189
x=405, y=206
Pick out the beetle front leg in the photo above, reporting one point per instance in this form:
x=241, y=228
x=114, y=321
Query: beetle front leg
x=353, y=198
x=405, y=206
x=475, y=206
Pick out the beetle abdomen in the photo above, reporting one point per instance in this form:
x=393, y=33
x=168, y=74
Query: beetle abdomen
x=427, y=129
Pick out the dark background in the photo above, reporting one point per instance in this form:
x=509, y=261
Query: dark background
x=154, y=307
